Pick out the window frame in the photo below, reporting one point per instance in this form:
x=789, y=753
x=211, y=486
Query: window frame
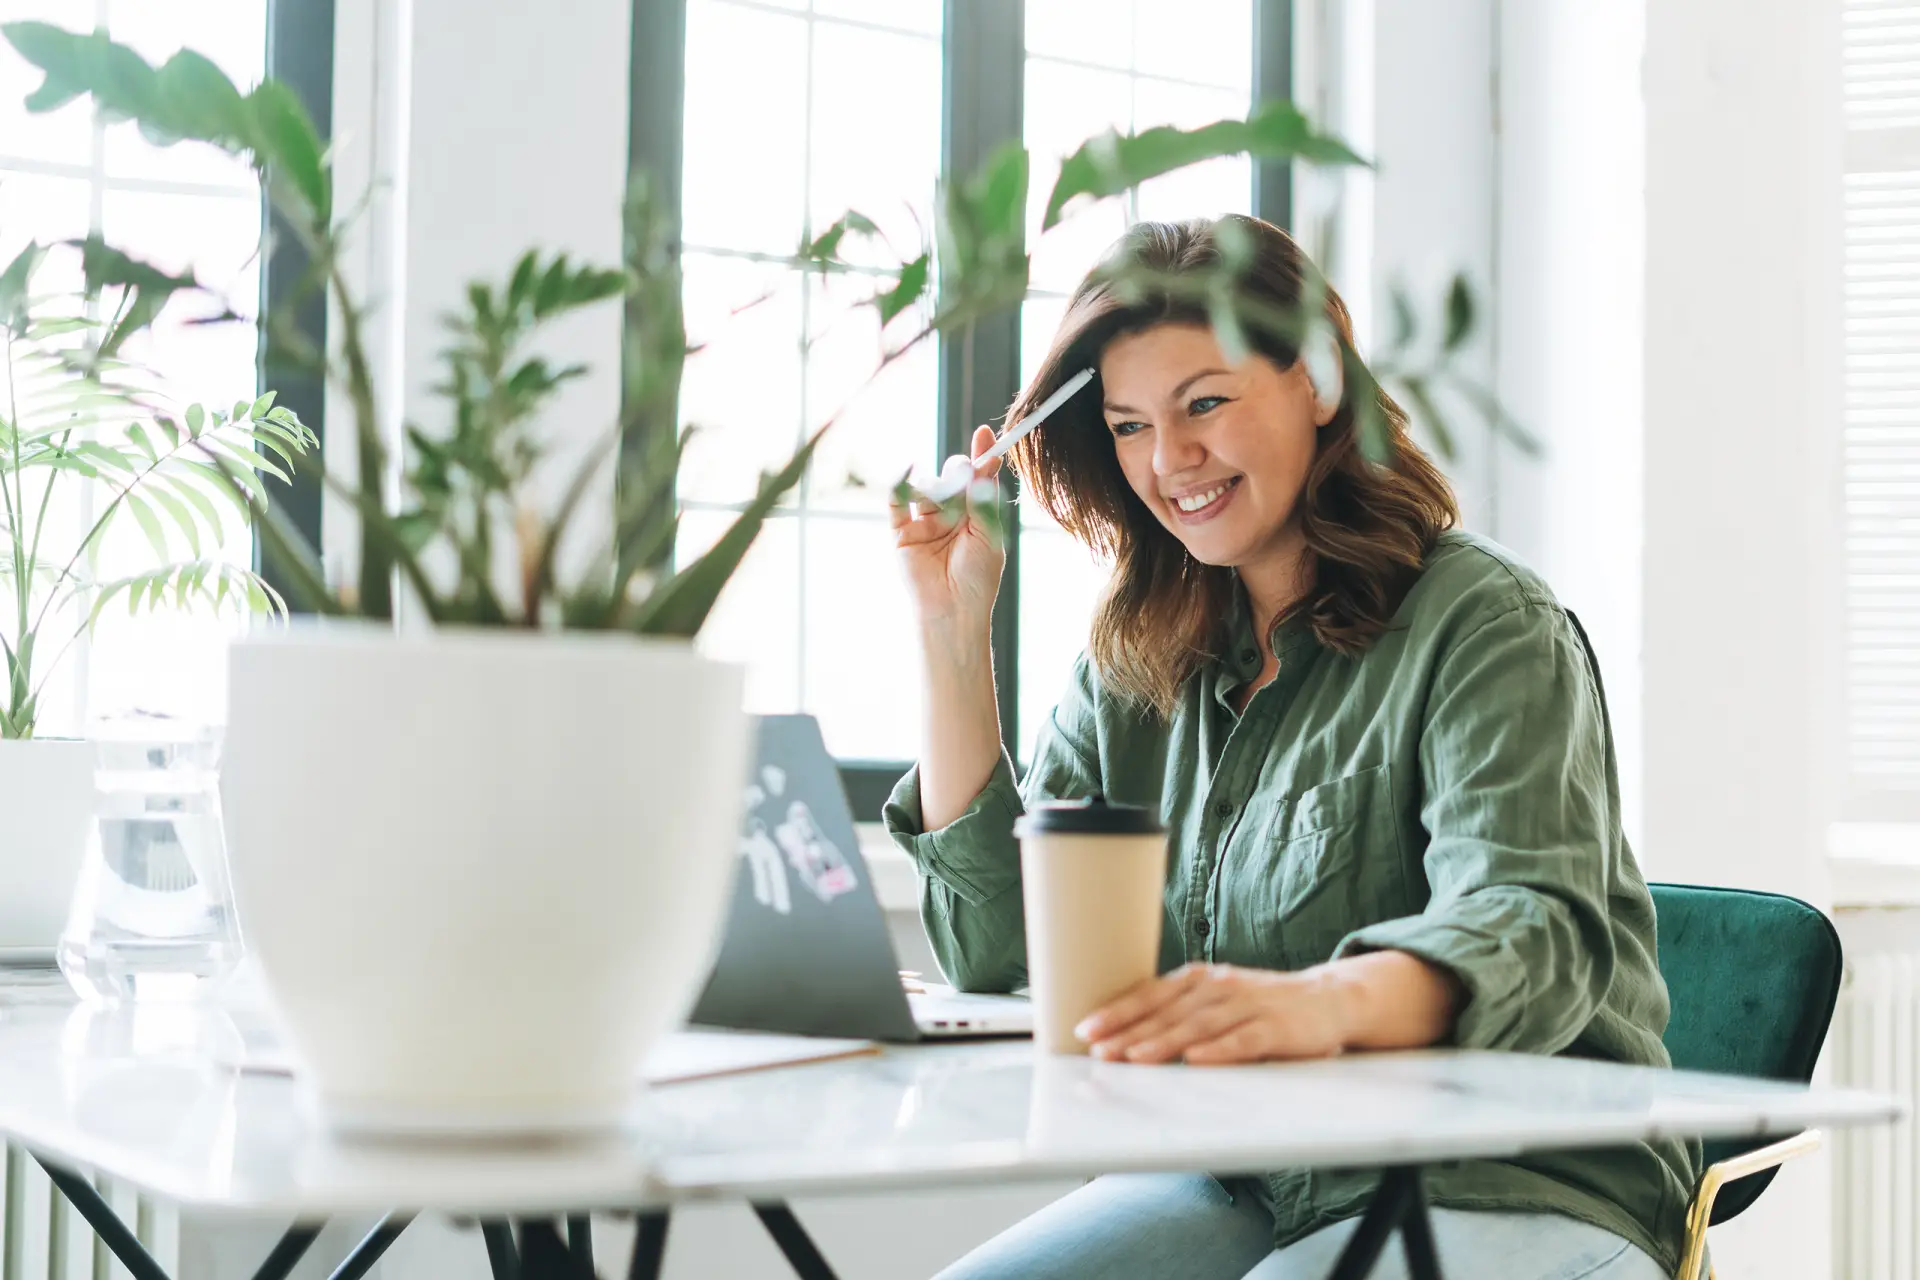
x=300, y=52
x=983, y=58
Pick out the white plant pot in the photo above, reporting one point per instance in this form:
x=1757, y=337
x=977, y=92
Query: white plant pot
x=46, y=800
x=482, y=871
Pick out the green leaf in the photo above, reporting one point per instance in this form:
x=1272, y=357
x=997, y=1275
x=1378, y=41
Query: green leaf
x=182, y=517
x=196, y=100
x=1404, y=323
x=106, y=456
x=520, y=285
x=192, y=494
x=263, y=406
x=267, y=439
x=824, y=248
x=996, y=199
x=1417, y=391
x=1111, y=163
x=138, y=434
x=149, y=523
x=679, y=606
x=227, y=474
x=248, y=458
x=196, y=419
x=909, y=289
x=62, y=55
x=285, y=140
x=553, y=287
x=1459, y=313
x=149, y=288
x=14, y=282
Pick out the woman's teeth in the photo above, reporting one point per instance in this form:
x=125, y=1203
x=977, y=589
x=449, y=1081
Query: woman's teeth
x=1199, y=500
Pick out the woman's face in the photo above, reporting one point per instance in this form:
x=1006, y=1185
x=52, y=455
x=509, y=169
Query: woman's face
x=1218, y=452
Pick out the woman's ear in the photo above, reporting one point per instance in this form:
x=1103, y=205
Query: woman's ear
x=1321, y=356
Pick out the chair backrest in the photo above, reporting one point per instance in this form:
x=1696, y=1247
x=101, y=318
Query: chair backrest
x=1753, y=978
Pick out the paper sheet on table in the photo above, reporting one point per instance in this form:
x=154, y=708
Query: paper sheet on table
x=685, y=1055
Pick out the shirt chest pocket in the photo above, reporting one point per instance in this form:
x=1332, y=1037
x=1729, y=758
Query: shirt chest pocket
x=1331, y=865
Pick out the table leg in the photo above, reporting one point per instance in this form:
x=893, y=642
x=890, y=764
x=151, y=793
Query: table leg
x=125, y=1246
x=1397, y=1202
x=802, y=1255
x=120, y=1241
x=286, y=1255
x=649, y=1244
x=543, y=1254
x=368, y=1251
x=580, y=1245
x=502, y=1256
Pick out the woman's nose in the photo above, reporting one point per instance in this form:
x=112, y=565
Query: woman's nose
x=1176, y=449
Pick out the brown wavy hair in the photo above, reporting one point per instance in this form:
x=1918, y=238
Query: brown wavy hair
x=1369, y=525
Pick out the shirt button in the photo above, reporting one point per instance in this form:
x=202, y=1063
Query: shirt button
x=1223, y=808
x=1201, y=928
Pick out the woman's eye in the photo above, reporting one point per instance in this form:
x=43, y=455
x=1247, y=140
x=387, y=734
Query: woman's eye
x=1205, y=404
x=1127, y=428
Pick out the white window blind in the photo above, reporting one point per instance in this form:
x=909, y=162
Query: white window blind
x=1881, y=424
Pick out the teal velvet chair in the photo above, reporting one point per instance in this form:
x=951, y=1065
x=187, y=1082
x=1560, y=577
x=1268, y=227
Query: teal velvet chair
x=1753, y=978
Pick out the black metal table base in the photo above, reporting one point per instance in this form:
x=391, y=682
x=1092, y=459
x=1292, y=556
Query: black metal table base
x=542, y=1253
x=1398, y=1202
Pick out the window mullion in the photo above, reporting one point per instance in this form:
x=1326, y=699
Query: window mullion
x=984, y=60
x=300, y=56
x=1273, y=82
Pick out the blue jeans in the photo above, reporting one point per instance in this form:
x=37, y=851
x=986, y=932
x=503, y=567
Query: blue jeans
x=1166, y=1226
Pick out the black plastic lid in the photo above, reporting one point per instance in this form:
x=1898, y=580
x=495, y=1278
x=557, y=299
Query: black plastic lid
x=1092, y=816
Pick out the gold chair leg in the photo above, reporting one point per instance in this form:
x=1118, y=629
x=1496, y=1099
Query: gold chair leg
x=1694, y=1252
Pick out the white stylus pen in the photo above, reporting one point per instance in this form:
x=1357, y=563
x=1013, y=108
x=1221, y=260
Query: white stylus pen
x=948, y=487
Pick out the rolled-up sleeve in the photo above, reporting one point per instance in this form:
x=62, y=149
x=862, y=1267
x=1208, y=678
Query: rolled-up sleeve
x=970, y=899
x=1521, y=814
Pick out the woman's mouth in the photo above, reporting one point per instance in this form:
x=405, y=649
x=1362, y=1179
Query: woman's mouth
x=1194, y=508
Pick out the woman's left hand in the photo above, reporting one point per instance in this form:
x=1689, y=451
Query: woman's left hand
x=1217, y=1013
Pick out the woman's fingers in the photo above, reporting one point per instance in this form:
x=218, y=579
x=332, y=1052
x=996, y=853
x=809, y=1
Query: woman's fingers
x=1159, y=1035
x=1205, y=1024
x=982, y=441
x=1142, y=1000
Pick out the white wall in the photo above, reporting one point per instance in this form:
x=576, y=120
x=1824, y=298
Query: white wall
x=1656, y=202
x=1571, y=212
x=1742, y=280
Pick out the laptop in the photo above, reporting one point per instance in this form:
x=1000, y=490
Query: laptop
x=806, y=949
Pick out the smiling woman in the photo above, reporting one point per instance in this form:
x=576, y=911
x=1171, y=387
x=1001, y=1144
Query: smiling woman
x=1379, y=746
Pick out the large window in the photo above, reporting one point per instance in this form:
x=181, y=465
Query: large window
x=66, y=174
x=845, y=113
x=847, y=110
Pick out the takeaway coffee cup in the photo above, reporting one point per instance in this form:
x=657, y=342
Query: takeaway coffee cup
x=1094, y=874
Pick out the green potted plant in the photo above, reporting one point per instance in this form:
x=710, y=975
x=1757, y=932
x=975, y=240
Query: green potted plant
x=76, y=416
x=529, y=802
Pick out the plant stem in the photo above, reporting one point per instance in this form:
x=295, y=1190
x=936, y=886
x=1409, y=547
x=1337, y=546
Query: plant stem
x=46, y=501
x=16, y=506
x=376, y=564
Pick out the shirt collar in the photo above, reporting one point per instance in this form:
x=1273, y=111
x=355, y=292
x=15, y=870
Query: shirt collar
x=1292, y=638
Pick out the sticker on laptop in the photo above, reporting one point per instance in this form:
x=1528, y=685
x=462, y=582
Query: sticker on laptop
x=793, y=841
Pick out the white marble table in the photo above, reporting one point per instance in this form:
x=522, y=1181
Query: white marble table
x=148, y=1097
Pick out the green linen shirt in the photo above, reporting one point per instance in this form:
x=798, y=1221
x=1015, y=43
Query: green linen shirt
x=1451, y=793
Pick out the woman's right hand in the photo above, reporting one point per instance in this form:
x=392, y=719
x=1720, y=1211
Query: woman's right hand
x=953, y=566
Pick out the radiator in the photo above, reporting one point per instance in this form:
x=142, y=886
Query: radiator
x=43, y=1238
x=1876, y=1045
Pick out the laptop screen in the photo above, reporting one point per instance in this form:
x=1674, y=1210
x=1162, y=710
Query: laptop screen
x=806, y=948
